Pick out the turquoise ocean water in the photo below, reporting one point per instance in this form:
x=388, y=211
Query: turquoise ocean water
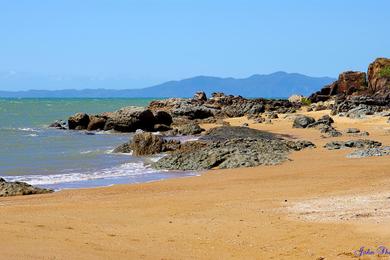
x=31, y=152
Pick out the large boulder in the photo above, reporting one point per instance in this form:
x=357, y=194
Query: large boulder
x=130, y=119
x=19, y=188
x=145, y=143
x=379, y=76
x=78, y=121
x=302, y=121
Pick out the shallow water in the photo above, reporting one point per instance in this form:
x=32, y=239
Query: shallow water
x=31, y=152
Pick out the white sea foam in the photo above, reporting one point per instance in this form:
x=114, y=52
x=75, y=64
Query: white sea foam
x=124, y=170
x=27, y=129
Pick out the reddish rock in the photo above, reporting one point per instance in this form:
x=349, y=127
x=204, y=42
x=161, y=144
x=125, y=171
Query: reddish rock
x=379, y=76
x=351, y=82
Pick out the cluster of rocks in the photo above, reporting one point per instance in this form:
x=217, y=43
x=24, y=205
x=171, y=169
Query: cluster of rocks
x=361, y=143
x=19, y=188
x=222, y=147
x=179, y=115
x=357, y=94
x=221, y=106
x=127, y=119
x=324, y=124
x=231, y=147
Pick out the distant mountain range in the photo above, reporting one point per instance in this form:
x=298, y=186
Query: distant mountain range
x=278, y=84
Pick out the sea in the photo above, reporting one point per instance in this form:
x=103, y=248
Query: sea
x=61, y=159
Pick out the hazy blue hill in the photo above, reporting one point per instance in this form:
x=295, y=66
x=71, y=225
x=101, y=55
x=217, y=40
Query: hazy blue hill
x=278, y=84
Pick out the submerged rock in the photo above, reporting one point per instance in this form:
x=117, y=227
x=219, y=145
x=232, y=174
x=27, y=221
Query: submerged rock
x=19, y=188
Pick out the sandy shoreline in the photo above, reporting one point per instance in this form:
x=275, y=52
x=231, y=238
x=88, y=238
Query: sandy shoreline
x=291, y=211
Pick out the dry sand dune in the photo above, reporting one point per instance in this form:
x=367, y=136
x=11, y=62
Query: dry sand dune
x=319, y=205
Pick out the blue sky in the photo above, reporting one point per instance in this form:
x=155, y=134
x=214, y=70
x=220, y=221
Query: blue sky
x=150, y=41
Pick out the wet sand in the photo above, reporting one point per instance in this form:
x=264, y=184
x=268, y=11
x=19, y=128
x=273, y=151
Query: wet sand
x=319, y=205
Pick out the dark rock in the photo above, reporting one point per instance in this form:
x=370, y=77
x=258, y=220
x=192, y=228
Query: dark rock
x=19, y=188
x=163, y=118
x=380, y=151
x=323, y=121
x=352, y=131
x=130, y=119
x=233, y=153
x=78, y=121
x=303, y=121
x=330, y=131
x=362, y=143
x=161, y=128
x=96, y=123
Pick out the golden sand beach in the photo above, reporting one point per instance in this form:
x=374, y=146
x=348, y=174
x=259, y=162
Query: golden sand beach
x=318, y=205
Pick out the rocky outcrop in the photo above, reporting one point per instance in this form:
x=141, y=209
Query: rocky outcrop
x=348, y=83
x=19, y=188
x=224, y=148
x=359, y=106
x=362, y=93
x=220, y=106
x=362, y=143
x=127, y=119
x=379, y=76
x=78, y=121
